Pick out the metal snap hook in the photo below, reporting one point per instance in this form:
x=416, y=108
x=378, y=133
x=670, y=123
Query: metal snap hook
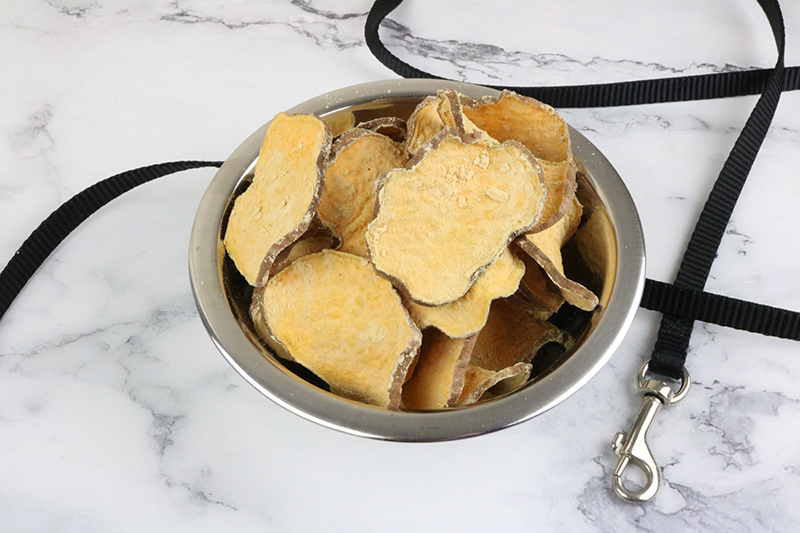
x=632, y=447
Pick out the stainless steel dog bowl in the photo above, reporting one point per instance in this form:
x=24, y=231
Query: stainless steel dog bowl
x=607, y=256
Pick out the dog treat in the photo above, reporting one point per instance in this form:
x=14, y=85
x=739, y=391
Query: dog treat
x=423, y=124
x=438, y=375
x=436, y=113
x=342, y=321
x=511, y=335
x=481, y=384
x=534, y=124
x=442, y=222
x=392, y=127
x=316, y=238
x=545, y=248
x=452, y=115
x=340, y=123
x=543, y=297
x=561, y=186
x=467, y=315
x=358, y=158
x=279, y=204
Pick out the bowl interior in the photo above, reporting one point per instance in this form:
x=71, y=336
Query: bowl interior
x=606, y=255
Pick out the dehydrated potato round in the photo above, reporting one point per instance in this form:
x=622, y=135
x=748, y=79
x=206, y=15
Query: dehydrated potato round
x=526, y=120
x=442, y=222
x=280, y=203
x=335, y=316
x=358, y=158
x=480, y=383
x=468, y=314
x=545, y=248
x=438, y=376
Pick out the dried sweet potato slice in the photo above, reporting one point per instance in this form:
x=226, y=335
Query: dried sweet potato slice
x=481, y=384
x=452, y=114
x=423, y=124
x=436, y=113
x=340, y=122
x=526, y=120
x=317, y=237
x=467, y=315
x=545, y=248
x=438, y=375
x=358, y=158
x=559, y=178
x=543, y=297
x=511, y=335
x=440, y=223
x=280, y=203
x=393, y=127
x=334, y=315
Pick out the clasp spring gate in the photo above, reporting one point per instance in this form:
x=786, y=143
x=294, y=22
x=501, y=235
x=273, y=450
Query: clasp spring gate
x=632, y=447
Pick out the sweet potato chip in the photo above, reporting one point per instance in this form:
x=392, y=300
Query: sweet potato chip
x=452, y=115
x=392, y=127
x=438, y=375
x=442, y=222
x=317, y=237
x=534, y=124
x=545, y=248
x=482, y=384
x=358, y=158
x=334, y=315
x=279, y=204
x=436, y=113
x=511, y=335
x=467, y=315
x=560, y=181
x=543, y=297
x=423, y=124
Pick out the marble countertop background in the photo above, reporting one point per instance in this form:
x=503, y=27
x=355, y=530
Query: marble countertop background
x=117, y=413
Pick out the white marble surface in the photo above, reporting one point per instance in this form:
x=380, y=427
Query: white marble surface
x=118, y=414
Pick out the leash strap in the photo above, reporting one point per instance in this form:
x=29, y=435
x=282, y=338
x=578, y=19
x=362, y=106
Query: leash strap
x=675, y=89
x=55, y=228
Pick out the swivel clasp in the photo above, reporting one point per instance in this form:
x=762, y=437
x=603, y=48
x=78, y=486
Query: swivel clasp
x=632, y=447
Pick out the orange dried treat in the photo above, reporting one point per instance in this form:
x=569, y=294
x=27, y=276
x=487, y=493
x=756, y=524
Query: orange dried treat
x=316, y=238
x=543, y=132
x=440, y=223
x=438, y=375
x=561, y=186
x=467, y=315
x=340, y=122
x=545, y=248
x=525, y=120
x=511, y=335
x=358, y=158
x=481, y=384
x=393, y=127
x=423, y=124
x=280, y=203
x=335, y=316
x=436, y=113
x=543, y=297
x=452, y=114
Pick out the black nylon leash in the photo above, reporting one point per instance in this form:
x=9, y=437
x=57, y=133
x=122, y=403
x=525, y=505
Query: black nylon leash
x=675, y=89
x=55, y=228
x=684, y=301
